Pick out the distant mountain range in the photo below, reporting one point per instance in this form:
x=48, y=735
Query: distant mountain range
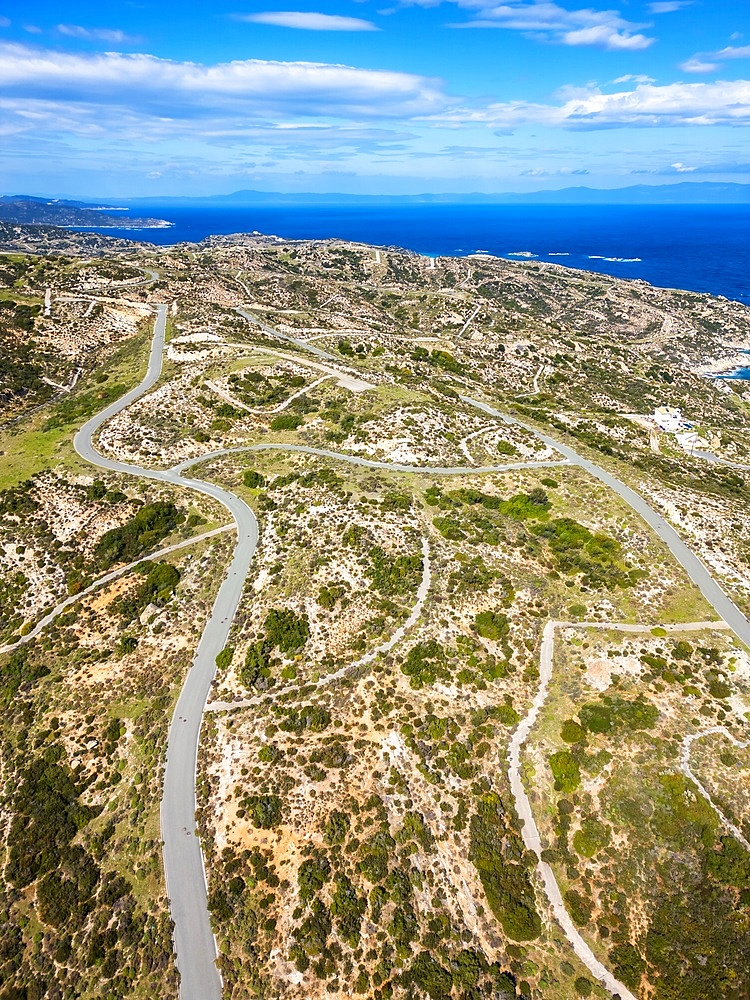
x=684, y=193
x=25, y=210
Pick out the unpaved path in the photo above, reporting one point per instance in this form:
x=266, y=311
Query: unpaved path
x=687, y=745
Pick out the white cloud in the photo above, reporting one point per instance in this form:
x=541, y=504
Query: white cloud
x=4, y=22
x=309, y=21
x=697, y=65
x=33, y=29
x=680, y=168
x=251, y=88
x=668, y=6
x=719, y=103
x=552, y=23
x=733, y=52
x=634, y=78
x=603, y=35
x=540, y=173
x=700, y=63
x=113, y=36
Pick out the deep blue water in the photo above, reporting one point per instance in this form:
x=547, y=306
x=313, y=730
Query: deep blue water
x=703, y=248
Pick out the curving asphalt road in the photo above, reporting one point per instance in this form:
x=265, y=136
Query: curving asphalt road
x=371, y=463
x=195, y=945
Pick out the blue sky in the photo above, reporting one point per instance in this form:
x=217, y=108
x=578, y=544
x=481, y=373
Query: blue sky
x=379, y=96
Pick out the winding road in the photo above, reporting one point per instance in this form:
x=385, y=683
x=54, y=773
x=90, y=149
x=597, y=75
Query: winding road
x=195, y=945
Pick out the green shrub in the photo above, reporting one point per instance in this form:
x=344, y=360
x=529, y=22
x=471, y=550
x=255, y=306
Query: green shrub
x=506, y=448
x=591, y=838
x=308, y=717
x=495, y=852
x=394, y=575
x=152, y=523
x=286, y=630
x=492, y=625
x=449, y=528
x=313, y=874
x=336, y=828
x=286, y=422
x=595, y=555
x=566, y=771
x=571, y=732
x=264, y=810
x=253, y=480
x=224, y=658
x=579, y=907
x=425, y=663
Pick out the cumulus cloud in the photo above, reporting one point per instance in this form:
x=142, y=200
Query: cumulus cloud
x=113, y=36
x=308, y=21
x=719, y=103
x=550, y=22
x=251, y=87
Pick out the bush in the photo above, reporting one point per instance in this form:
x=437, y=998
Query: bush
x=595, y=555
x=571, y=732
x=566, y=771
x=394, y=575
x=506, y=448
x=286, y=630
x=494, y=851
x=224, y=658
x=313, y=874
x=492, y=625
x=286, y=422
x=591, y=838
x=264, y=810
x=253, y=480
x=579, y=907
x=425, y=663
x=152, y=523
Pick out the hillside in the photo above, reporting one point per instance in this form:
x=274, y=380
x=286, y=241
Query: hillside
x=467, y=658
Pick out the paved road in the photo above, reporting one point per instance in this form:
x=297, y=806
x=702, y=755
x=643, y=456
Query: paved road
x=708, y=456
x=195, y=946
x=371, y=463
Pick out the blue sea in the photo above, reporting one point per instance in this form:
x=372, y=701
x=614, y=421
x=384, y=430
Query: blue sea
x=702, y=248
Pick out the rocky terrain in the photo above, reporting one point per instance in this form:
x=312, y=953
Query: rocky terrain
x=427, y=552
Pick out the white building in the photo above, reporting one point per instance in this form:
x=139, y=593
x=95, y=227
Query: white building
x=668, y=418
